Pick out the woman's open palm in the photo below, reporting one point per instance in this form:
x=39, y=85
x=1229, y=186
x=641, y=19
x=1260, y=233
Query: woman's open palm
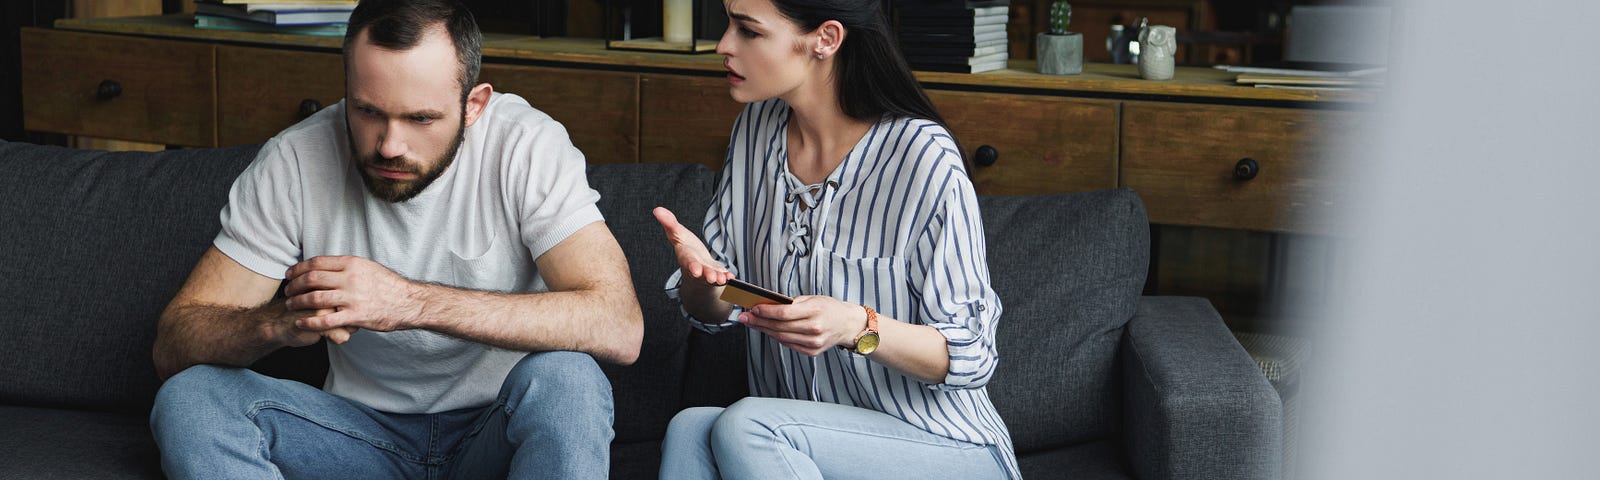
x=693, y=257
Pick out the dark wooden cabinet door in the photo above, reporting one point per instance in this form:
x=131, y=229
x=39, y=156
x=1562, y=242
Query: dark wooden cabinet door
x=115, y=86
x=262, y=91
x=1042, y=144
x=685, y=119
x=1192, y=164
x=599, y=109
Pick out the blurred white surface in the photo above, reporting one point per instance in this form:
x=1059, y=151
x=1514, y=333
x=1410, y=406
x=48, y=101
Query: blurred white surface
x=1463, y=340
x=1338, y=34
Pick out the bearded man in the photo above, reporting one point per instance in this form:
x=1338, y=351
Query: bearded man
x=443, y=238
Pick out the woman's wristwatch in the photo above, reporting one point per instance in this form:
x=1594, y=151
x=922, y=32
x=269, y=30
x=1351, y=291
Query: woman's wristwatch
x=867, y=340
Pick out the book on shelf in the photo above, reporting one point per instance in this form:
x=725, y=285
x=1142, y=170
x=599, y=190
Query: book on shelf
x=213, y=22
x=1308, y=69
x=977, y=68
x=919, y=12
x=926, y=5
x=1314, y=87
x=953, y=21
x=1261, y=80
x=351, y=3
x=973, y=29
x=955, y=39
x=952, y=45
x=255, y=7
x=942, y=51
x=953, y=60
x=273, y=17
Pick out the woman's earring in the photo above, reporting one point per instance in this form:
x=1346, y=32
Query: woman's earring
x=819, y=56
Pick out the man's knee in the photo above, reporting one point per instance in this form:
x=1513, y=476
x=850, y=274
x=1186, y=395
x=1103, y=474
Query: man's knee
x=183, y=389
x=562, y=395
x=547, y=377
x=197, y=389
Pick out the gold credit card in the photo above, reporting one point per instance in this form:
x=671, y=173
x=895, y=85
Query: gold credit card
x=746, y=295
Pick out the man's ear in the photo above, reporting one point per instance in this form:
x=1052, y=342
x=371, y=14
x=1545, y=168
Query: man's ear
x=477, y=99
x=829, y=36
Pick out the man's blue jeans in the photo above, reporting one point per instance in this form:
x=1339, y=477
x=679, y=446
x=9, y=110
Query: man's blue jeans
x=552, y=419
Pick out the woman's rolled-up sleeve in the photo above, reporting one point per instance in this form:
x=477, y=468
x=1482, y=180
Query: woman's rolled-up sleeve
x=956, y=296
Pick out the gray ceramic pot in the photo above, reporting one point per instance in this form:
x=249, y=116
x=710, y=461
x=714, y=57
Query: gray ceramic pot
x=1060, y=54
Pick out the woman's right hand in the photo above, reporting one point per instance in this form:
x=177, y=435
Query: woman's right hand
x=693, y=257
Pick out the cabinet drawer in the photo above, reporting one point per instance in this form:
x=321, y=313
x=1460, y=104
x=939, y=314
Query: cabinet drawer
x=685, y=119
x=1044, y=144
x=599, y=109
x=263, y=91
x=158, y=91
x=1181, y=159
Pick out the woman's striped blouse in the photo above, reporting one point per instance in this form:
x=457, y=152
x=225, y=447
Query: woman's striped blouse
x=895, y=227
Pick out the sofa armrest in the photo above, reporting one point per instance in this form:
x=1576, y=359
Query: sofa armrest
x=1196, y=404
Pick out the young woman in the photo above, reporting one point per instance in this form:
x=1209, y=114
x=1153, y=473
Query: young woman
x=843, y=188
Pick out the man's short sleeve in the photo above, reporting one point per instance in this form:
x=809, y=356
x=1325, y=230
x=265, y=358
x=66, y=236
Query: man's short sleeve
x=261, y=222
x=557, y=201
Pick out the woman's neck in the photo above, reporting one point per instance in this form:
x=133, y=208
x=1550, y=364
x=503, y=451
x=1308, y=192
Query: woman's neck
x=820, y=135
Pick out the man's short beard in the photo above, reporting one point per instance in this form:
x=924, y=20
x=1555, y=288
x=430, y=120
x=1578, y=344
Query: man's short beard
x=396, y=191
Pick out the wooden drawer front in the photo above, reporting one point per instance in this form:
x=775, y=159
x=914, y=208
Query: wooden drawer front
x=599, y=109
x=685, y=119
x=1181, y=160
x=166, y=93
x=1045, y=144
x=264, y=91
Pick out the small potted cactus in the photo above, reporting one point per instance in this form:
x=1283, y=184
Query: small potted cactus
x=1060, y=52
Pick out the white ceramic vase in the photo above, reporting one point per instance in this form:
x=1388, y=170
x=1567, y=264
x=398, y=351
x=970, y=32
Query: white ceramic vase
x=1157, y=45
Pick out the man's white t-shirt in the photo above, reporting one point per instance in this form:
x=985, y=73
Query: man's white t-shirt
x=516, y=189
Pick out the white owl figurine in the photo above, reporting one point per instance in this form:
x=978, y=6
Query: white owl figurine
x=1157, y=44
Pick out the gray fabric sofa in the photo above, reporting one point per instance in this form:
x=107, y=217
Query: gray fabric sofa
x=1095, y=381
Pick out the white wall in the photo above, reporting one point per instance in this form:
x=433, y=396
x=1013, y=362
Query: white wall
x=1464, y=341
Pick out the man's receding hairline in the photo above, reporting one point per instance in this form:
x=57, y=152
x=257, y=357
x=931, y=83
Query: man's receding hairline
x=364, y=36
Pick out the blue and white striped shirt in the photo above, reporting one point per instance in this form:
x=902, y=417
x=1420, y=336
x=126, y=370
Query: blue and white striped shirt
x=895, y=227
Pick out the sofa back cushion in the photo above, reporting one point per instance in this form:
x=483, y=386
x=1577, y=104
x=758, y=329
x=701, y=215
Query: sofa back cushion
x=1069, y=270
x=647, y=393
x=96, y=244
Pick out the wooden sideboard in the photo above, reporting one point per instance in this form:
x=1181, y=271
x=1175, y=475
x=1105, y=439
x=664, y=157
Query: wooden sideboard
x=1178, y=143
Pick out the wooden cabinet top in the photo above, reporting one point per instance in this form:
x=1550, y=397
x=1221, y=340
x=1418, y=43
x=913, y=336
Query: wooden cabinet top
x=1099, y=80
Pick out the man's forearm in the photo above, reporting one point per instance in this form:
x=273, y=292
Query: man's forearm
x=605, y=323
x=188, y=335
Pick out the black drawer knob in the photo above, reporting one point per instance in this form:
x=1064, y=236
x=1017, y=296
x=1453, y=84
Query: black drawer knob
x=985, y=156
x=309, y=107
x=109, y=89
x=1246, y=169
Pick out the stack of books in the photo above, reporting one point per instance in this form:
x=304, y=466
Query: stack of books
x=305, y=17
x=1309, y=75
x=954, y=35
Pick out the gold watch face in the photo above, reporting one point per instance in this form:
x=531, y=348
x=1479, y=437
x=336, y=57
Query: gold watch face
x=867, y=343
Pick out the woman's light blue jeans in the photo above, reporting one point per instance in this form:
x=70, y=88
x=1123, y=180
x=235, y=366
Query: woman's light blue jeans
x=774, y=438
x=552, y=420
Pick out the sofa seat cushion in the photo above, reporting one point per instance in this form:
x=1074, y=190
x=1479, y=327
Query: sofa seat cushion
x=635, y=460
x=42, y=443
x=1069, y=270
x=646, y=393
x=96, y=244
x=1094, y=460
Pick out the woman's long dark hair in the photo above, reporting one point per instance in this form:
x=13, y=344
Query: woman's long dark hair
x=872, y=77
